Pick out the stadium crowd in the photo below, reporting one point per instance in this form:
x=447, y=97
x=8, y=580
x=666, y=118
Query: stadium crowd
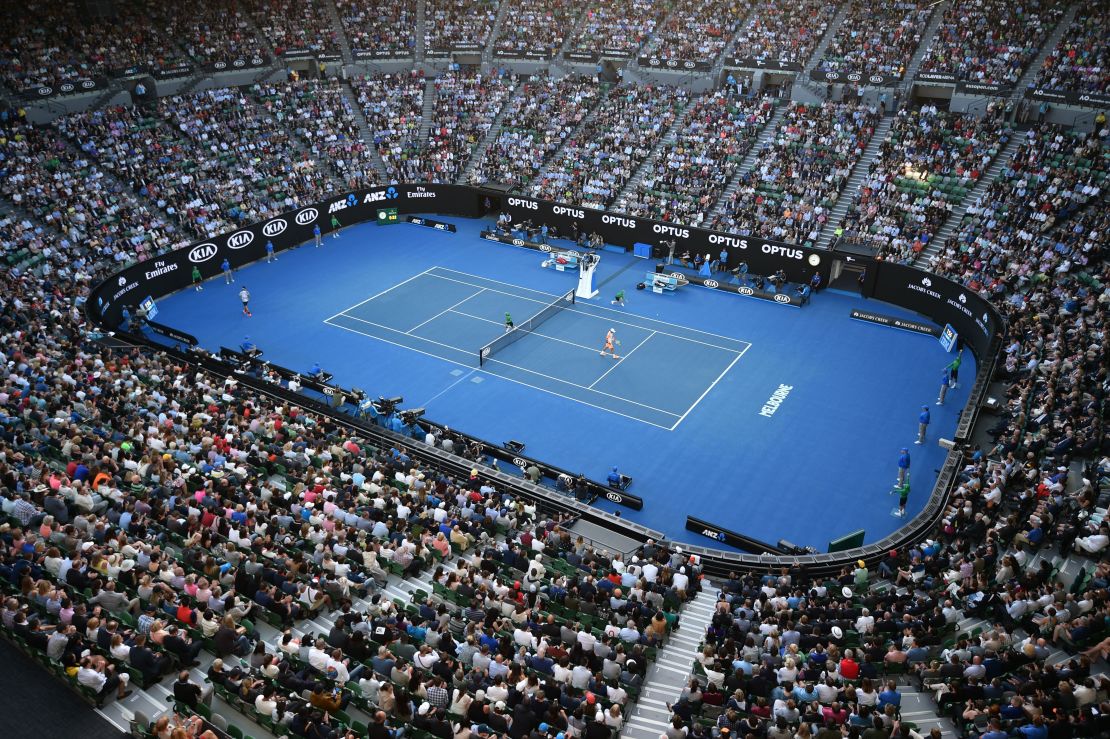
x=690, y=174
x=602, y=155
x=303, y=25
x=535, y=25
x=990, y=41
x=697, y=31
x=380, y=28
x=877, y=39
x=924, y=169
x=618, y=25
x=787, y=32
x=453, y=22
x=394, y=106
x=798, y=174
x=535, y=124
x=1080, y=61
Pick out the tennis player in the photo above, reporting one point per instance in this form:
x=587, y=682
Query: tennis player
x=619, y=299
x=508, y=323
x=245, y=296
x=610, y=341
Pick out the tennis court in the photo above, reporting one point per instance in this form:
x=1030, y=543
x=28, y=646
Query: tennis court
x=662, y=373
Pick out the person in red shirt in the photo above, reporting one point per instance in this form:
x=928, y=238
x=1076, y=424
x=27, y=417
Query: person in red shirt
x=849, y=668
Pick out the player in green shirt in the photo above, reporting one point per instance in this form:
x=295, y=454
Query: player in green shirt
x=954, y=367
x=197, y=279
x=335, y=226
x=903, y=495
x=619, y=299
x=508, y=323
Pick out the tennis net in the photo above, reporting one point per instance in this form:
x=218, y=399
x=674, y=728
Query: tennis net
x=523, y=328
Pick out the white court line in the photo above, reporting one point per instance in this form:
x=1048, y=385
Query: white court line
x=448, y=310
x=494, y=374
x=530, y=333
x=514, y=366
x=603, y=318
x=446, y=389
x=383, y=292
x=617, y=363
x=711, y=386
x=598, y=307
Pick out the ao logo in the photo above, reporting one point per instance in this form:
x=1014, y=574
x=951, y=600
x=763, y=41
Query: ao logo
x=307, y=216
x=122, y=281
x=782, y=298
x=926, y=282
x=711, y=283
x=519, y=461
x=275, y=227
x=963, y=298
x=202, y=253
x=518, y=242
x=239, y=239
x=615, y=497
x=745, y=290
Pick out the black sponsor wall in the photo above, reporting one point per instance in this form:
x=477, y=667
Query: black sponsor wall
x=173, y=271
x=763, y=257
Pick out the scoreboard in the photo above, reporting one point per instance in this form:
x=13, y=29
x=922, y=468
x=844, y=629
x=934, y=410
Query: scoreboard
x=387, y=216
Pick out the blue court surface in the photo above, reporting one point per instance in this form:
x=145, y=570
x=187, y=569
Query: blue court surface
x=683, y=409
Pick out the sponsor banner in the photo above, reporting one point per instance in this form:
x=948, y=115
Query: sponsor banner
x=762, y=256
x=770, y=65
x=437, y=53
x=581, y=56
x=658, y=63
x=178, y=70
x=172, y=333
x=875, y=79
x=73, y=87
x=1067, y=97
x=941, y=300
x=363, y=54
x=230, y=65
x=431, y=223
x=616, y=53
x=298, y=54
x=935, y=78
x=541, y=54
x=173, y=271
x=513, y=241
x=982, y=88
x=722, y=535
x=895, y=322
x=329, y=57
x=466, y=46
x=721, y=282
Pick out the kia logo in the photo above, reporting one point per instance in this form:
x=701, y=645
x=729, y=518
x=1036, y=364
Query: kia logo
x=518, y=461
x=202, y=253
x=615, y=497
x=745, y=291
x=66, y=87
x=240, y=239
x=44, y=90
x=782, y=298
x=831, y=75
x=88, y=84
x=307, y=216
x=275, y=227
x=518, y=242
x=220, y=65
x=122, y=281
x=574, y=254
x=239, y=63
x=876, y=79
x=544, y=247
x=676, y=275
x=689, y=65
x=710, y=283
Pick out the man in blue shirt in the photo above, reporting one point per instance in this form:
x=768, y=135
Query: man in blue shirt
x=247, y=346
x=890, y=696
x=945, y=381
x=316, y=234
x=614, y=478
x=922, y=424
x=903, y=466
x=270, y=252
x=226, y=267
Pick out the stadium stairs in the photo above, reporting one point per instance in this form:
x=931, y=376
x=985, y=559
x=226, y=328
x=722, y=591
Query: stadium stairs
x=1034, y=68
x=494, y=131
x=748, y=161
x=719, y=66
x=848, y=193
x=430, y=97
x=421, y=24
x=494, y=32
x=670, y=672
x=340, y=33
x=669, y=137
x=830, y=33
x=554, y=158
x=926, y=41
x=952, y=223
x=364, y=131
